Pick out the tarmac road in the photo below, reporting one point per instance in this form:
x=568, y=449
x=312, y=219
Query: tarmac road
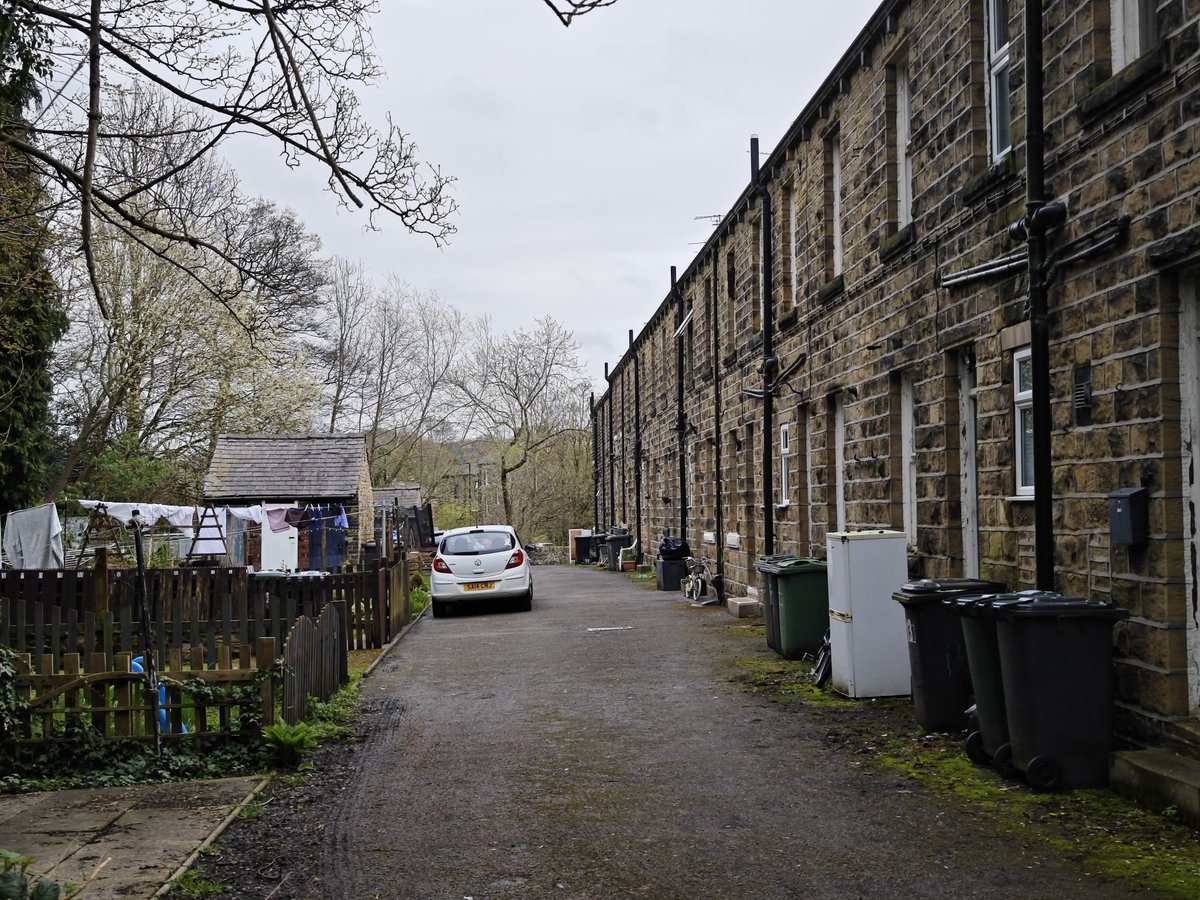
x=592, y=749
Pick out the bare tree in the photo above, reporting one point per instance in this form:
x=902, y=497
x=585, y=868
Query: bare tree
x=523, y=388
x=343, y=339
x=283, y=70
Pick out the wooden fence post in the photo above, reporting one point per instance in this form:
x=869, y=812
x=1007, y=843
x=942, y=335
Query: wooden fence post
x=100, y=581
x=381, y=606
x=264, y=658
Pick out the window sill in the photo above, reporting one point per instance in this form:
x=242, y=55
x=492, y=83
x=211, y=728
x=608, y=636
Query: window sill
x=1124, y=83
x=788, y=320
x=832, y=289
x=994, y=176
x=897, y=243
x=1020, y=498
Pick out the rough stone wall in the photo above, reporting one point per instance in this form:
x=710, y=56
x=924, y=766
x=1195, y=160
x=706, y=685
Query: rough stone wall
x=900, y=312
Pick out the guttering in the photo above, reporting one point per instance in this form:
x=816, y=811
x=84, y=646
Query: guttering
x=1009, y=263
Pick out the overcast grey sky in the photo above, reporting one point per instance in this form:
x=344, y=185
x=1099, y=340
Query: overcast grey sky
x=583, y=155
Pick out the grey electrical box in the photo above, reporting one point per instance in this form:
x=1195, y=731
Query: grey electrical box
x=1128, y=516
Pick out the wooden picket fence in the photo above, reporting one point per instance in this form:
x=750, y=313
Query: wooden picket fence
x=198, y=703
x=314, y=661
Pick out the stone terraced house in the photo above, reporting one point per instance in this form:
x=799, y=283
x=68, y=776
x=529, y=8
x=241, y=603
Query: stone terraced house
x=901, y=336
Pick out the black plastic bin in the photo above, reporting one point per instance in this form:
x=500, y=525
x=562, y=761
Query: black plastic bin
x=988, y=743
x=768, y=595
x=1056, y=661
x=616, y=543
x=937, y=653
x=669, y=573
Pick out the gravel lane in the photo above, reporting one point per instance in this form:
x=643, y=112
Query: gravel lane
x=594, y=749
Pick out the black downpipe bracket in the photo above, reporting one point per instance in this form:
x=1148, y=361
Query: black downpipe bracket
x=637, y=448
x=770, y=364
x=680, y=414
x=1035, y=179
x=612, y=470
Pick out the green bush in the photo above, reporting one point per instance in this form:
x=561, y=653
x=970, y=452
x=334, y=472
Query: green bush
x=287, y=744
x=19, y=882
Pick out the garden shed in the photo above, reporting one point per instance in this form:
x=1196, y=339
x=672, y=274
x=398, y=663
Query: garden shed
x=292, y=502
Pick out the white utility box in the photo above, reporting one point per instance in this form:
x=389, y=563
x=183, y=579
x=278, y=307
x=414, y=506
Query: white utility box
x=868, y=642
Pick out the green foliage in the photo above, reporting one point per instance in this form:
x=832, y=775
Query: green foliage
x=452, y=514
x=328, y=721
x=287, y=744
x=11, y=705
x=418, y=599
x=192, y=884
x=20, y=882
x=122, y=469
x=31, y=317
x=23, y=56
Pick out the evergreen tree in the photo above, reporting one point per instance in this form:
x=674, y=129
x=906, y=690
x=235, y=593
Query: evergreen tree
x=31, y=313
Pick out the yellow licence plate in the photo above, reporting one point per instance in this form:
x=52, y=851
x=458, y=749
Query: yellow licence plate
x=479, y=585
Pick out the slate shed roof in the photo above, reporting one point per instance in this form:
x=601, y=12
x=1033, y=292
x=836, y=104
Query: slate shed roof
x=269, y=467
x=404, y=494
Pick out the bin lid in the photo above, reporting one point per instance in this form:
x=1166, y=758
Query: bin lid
x=771, y=563
x=935, y=590
x=963, y=604
x=1049, y=604
x=796, y=564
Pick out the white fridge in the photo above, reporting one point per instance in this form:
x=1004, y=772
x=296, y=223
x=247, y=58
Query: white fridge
x=868, y=642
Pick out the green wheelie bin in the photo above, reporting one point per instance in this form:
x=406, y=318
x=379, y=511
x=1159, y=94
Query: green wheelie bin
x=768, y=595
x=803, y=606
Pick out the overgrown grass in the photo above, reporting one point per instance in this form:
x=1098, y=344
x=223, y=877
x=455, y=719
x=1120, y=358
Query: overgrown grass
x=1102, y=832
x=192, y=884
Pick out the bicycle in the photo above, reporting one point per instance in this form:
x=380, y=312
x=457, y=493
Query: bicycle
x=695, y=583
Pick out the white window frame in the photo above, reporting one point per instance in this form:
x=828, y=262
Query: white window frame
x=793, y=222
x=785, y=455
x=999, y=101
x=904, y=186
x=835, y=157
x=1022, y=406
x=1132, y=30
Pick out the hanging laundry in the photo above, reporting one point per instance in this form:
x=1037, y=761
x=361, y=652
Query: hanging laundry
x=33, y=538
x=341, y=521
x=276, y=518
x=247, y=513
x=297, y=517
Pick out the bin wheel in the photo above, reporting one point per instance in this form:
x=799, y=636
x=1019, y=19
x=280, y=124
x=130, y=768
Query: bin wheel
x=1043, y=773
x=975, y=751
x=1002, y=761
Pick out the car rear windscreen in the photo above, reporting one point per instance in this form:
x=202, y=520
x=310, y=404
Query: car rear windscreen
x=477, y=542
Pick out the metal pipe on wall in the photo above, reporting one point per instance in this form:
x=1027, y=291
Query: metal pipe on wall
x=716, y=364
x=612, y=470
x=680, y=413
x=595, y=467
x=1039, y=350
x=770, y=364
x=637, y=448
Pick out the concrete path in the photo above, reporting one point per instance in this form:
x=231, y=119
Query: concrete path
x=145, y=832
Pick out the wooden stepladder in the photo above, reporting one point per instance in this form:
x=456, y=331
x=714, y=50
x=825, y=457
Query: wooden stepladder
x=209, y=528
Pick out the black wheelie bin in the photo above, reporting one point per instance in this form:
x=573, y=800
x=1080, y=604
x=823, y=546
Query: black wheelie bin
x=768, y=595
x=1056, y=664
x=937, y=653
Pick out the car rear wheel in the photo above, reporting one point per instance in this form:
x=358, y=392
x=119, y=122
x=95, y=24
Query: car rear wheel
x=525, y=601
x=440, y=608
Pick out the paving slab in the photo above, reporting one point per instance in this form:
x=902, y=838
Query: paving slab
x=145, y=832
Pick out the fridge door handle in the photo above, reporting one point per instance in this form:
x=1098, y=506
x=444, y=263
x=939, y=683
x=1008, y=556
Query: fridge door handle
x=840, y=616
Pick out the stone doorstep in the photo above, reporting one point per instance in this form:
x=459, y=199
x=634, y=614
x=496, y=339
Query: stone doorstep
x=1158, y=778
x=743, y=607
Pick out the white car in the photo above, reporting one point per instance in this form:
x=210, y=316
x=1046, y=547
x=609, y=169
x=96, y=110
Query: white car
x=484, y=563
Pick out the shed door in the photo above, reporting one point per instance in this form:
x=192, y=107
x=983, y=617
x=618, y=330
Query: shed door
x=280, y=549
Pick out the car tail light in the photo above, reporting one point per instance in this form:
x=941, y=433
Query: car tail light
x=516, y=559
x=439, y=565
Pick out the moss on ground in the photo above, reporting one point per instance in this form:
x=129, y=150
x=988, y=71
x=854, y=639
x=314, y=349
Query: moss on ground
x=1104, y=833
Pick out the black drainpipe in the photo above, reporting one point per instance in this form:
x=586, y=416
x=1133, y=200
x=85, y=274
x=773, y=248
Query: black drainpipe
x=718, y=436
x=595, y=468
x=770, y=364
x=612, y=471
x=637, y=447
x=680, y=414
x=1039, y=332
x=624, y=453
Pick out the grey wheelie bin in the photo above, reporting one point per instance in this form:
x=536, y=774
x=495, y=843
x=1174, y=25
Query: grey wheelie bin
x=802, y=607
x=1056, y=664
x=617, y=543
x=768, y=595
x=937, y=653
